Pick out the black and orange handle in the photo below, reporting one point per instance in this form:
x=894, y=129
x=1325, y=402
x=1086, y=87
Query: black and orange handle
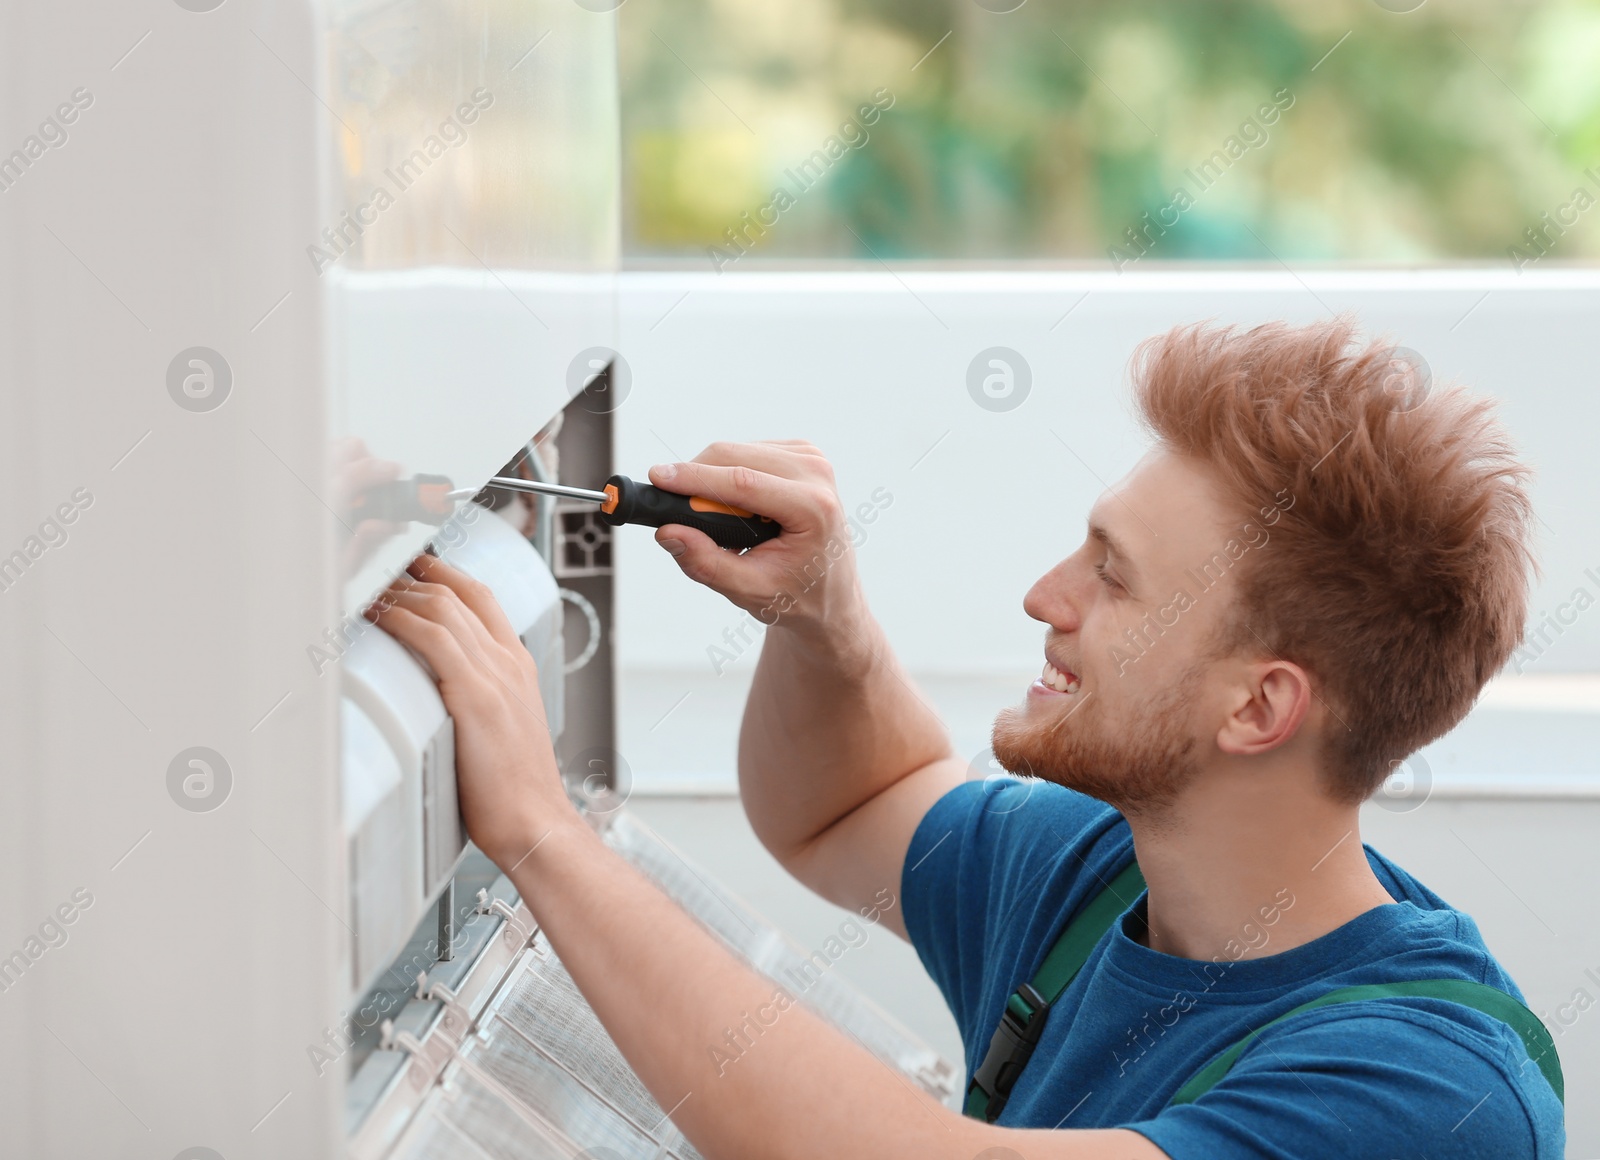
x=630, y=502
x=423, y=499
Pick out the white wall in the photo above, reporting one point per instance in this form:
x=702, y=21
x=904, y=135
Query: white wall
x=871, y=366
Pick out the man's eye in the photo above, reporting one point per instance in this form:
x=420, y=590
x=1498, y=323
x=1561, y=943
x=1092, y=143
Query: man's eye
x=1106, y=578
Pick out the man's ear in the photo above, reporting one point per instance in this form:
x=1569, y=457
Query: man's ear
x=1276, y=699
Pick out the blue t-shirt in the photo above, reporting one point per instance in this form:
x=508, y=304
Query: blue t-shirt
x=996, y=870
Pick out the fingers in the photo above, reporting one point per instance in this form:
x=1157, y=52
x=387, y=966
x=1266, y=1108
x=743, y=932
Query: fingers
x=440, y=625
x=348, y=450
x=354, y=471
x=435, y=643
x=440, y=604
x=466, y=608
x=701, y=560
x=476, y=595
x=797, y=506
x=360, y=474
x=788, y=458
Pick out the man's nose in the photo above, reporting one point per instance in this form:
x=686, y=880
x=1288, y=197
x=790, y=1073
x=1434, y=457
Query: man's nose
x=1053, y=600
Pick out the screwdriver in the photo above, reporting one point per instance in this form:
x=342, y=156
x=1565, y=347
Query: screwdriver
x=626, y=501
x=424, y=499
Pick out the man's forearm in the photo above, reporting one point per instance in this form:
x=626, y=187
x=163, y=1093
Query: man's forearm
x=832, y=720
x=744, y=1070
x=674, y=1000
x=711, y=1039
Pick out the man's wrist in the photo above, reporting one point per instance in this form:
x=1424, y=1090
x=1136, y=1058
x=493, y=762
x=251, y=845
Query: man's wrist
x=843, y=638
x=556, y=869
x=534, y=844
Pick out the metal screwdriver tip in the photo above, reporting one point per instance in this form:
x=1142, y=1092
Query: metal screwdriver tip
x=532, y=485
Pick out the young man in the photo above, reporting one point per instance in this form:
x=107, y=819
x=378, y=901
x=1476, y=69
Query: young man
x=1311, y=575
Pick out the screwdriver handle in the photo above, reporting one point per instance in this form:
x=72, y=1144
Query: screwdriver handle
x=423, y=499
x=630, y=502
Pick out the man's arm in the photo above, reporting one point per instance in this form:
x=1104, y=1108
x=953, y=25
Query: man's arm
x=747, y=1071
x=787, y=1086
x=839, y=756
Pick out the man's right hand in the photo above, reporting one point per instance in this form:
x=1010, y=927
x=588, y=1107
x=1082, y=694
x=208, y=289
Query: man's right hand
x=805, y=578
x=839, y=756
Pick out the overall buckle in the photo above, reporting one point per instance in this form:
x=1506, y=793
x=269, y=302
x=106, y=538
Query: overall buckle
x=1015, y=1037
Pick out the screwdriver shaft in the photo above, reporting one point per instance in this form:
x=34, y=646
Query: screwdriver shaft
x=627, y=501
x=512, y=484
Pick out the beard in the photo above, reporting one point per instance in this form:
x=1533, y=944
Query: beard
x=1138, y=763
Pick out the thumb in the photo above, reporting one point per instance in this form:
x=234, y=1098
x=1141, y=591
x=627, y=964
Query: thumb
x=696, y=553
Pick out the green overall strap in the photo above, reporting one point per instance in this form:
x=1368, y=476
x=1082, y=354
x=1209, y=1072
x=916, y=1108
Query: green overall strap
x=1480, y=997
x=1022, y=1020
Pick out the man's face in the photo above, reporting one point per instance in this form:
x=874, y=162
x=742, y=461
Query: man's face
x=1131, y=695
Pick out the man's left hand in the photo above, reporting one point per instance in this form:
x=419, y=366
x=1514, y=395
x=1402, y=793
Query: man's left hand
x=509, y=785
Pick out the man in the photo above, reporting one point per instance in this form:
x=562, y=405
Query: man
x=1311, y=575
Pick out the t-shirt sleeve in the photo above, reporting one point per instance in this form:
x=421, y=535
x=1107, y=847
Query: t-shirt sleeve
x=1339, y=1082
x=993, y=870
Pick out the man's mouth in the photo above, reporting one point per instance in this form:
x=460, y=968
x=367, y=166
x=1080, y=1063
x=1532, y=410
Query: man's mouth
x=1060, y=680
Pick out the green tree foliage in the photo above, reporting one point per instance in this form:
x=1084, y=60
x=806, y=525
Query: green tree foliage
x=1446, y=133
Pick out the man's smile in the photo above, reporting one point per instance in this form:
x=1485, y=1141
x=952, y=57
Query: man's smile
x=1055, y=681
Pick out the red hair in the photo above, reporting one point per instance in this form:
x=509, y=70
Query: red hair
x=1399, y=576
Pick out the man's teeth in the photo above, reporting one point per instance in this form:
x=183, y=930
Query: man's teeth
x=1057, y=680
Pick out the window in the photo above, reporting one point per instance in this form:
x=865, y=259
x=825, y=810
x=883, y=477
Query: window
x=1106, y=133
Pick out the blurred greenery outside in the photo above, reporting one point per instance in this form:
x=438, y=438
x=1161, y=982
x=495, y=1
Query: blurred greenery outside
x=1448, y=134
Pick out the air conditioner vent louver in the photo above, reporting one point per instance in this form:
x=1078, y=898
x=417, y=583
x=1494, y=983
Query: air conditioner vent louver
x=465, y=1118
x=542, y=1078
x=560, y=1098
x=544, y=1007
x=781, y=959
